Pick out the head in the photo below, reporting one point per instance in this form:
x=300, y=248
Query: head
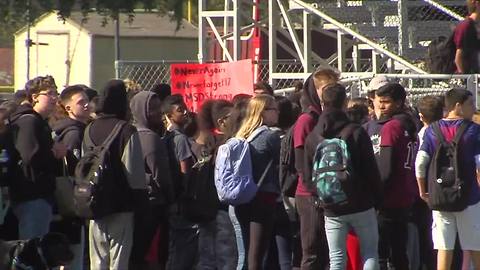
x=459, y=103
x=286, y=115
x=20, y=96
x=162, y=90
x=473, y=6
x=75, y=101
x=42, y=94
x=239, y=111
x=221, y=115
x=262, y=88
x=373, y=86
x=113, y=100
x=430, y=109
x=389, y=100
x=146, y=111
x=261, y=110
x=357, y=110
x=241, y=98
x=334, y=96
x=298, y=86
x=324, y=76
x=190, y=125
x=175, y=110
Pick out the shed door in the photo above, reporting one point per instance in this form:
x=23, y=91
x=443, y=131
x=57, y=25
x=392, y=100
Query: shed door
x=53, y=56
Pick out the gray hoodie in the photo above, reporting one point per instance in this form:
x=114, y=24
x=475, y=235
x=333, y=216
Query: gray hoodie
x=155, y=155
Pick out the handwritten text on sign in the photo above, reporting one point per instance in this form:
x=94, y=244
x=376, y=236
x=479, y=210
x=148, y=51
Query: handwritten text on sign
x=199, y=82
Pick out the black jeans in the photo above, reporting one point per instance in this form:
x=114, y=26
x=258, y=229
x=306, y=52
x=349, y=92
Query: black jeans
x=312, y=233
x=256, y=220
x=422, y=217
x=393, y=234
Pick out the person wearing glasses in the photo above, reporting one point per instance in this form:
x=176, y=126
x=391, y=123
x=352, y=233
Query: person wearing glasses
x=33, y=184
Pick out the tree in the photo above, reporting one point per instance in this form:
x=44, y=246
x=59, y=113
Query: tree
x=16, y=13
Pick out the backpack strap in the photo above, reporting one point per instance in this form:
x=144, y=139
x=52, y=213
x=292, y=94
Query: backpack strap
x=108, y=141
x=458, y=135
x=347, y=131
x=438, y=133
x=460, y=131
x=264, y=174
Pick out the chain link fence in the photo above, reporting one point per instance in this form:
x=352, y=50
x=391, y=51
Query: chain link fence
x=148, y=73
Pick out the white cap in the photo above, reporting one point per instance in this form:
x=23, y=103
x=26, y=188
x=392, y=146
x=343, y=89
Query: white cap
x=377, y=82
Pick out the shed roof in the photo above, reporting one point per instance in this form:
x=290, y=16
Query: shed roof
x=143, y=25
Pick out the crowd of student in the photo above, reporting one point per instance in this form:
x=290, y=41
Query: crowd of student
x=164, y=210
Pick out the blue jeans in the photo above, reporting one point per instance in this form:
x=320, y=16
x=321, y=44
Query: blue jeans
x=365, y=226
x=237, y=228
x=183, y=244
x=34, y=218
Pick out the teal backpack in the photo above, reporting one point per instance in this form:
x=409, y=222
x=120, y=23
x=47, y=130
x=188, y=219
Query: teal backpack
x=333, y=174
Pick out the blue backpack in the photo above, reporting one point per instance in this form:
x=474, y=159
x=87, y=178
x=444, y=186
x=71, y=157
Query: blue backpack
x=233, y=171
x=333, y=174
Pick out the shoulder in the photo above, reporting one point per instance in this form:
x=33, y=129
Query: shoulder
x=303, y=120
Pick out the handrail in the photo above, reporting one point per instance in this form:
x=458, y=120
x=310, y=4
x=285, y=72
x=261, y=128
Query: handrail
x=444, y=9
x=359, y=36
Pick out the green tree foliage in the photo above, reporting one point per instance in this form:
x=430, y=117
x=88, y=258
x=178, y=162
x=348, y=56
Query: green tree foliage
x=16, y=13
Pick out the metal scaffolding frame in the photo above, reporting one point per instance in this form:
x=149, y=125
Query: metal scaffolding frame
x=279, y=12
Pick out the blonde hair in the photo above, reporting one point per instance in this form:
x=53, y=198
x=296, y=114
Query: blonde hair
x=253, y=118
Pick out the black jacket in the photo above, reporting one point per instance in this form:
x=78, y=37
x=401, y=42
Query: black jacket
x=155, y=153
x=367, y=181
x=70, y=133
x=32, y=138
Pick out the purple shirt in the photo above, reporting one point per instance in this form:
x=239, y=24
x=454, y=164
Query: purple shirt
x=468, y=148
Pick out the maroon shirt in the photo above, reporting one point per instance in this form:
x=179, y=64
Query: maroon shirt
x=466, y=38
x=304, y=125
x=401, y=189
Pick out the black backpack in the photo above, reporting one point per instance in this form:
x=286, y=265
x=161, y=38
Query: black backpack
x=95, y=183
x=441, y=55
x=287, y=171
x=446, y=187
x=201, y=202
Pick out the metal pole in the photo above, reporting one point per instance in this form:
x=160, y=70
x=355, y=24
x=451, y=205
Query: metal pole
x=402, y=27
x=117, y=38
x=236, y=34
x=202, y=40
x=272, y=37
x=28, y=41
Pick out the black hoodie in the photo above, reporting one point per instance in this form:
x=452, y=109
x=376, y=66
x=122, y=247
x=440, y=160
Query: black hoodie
x=155, y=154
x=127, y=165
x=367, y=182
x=70, y=132
x=33, y=141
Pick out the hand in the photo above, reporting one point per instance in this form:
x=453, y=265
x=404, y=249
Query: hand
x=424, y=196
x=59, y=150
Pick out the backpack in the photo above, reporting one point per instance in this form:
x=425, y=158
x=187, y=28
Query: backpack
x=201, y=200
x=441, y=55
x=95, y=184
x=447, y=190
x=287, y=171
x=233, y=171
x=333, y=174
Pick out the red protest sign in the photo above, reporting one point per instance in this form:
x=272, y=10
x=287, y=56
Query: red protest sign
x=200, y=82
